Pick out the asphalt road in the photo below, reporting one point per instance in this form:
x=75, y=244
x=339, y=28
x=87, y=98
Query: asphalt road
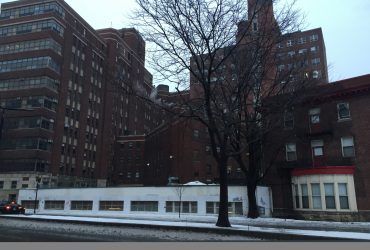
x=18, y=230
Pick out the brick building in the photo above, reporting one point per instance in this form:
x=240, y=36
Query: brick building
x=323, y=166
x=64, y=93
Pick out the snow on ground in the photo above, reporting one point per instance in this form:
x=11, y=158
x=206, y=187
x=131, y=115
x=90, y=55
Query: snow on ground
x=115, y=233
x=238, y=223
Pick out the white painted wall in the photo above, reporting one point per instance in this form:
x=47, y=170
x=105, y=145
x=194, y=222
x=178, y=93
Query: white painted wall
x=201, y=194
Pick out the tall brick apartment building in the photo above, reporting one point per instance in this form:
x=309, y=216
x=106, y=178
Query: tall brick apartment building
x=64, y=95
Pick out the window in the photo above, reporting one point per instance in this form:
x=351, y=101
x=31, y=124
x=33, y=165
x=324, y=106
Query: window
x=14, y=184
x=314, y=38
x=208, y=150
x=302, y=51
x=289, y=43
x=196, y=133
x=343, y=196
x=291, y=153
x=111, y=205
x=348, y=149
x=30, y=204
x=317, y=147
x=1, y=184
x=291, y=53
x=186, y=206
x=288, y=120
x=325, y=192
x=212, y=207
x=302, y=40
x=54, y=205
x=316, y=195
x=329, y=196
x=343, y=111
x=81, y=205
x=296, y=196
x=234, y=208
x=304, y=190
x=314, y=49
x=315, y=61
x=147, y=206
x=314, y=115
x=24, y=185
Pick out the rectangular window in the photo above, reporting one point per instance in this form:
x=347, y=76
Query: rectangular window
x=288, y=120
x=291, y=153
x=329, y=196
x=212, y=207
x=289, y=43
x=316, y=195
x=314, y=115
x=343, y=111
x=147, y=206
x=1, y=184
x=54, y=205
x=317, y=147
x=186, y=206
x=296, y=196
x=304, y=190
x=343, y=196
x=348, y=149
x=302, y=40
x=314, y=38
x=30, y=204
x=196, y=133
x=81, y=205
x=13, y=185
x=111, y=205
x=315, y=61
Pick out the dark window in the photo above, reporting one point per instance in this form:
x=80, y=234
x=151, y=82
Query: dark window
x=343, y=111
x=54, y=205
x=304, y=196
x=343, y=196
x=81, y=205
x=111, y=205
x=329, y=196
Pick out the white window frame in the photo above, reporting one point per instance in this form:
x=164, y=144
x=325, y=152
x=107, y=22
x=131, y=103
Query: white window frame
x=336, y=180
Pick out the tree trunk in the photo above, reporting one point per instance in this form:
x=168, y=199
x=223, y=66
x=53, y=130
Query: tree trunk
x=253, y=208
x=223, y=212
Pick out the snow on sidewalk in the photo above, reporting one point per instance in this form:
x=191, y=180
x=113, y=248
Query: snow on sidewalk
x=263, y=222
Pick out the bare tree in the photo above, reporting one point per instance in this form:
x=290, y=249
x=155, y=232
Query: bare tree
x=229, y=57
x=180, y=189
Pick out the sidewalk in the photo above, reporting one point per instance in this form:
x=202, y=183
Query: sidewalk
x=267, y=228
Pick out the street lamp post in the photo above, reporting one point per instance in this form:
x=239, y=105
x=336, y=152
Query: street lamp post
x=38, y=179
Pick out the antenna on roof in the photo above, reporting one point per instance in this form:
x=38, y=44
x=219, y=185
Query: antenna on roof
x=111, y=24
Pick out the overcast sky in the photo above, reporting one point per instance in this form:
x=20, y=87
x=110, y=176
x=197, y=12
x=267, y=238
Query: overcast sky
x=345, y=24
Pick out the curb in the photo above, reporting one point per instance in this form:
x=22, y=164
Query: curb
x=270, y=236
